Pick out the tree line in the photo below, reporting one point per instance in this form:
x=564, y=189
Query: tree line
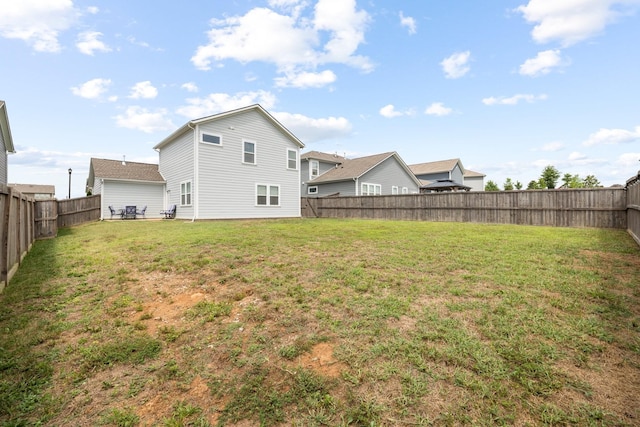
x=548, y=179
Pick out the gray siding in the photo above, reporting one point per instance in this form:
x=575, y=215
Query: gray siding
x=344, y=188
x=457, y=175
x=476, y=183
x=305, y=173
x=434, y=176
x=388, y=174
x=176, y=165
x=226, y=187
x=126, y=193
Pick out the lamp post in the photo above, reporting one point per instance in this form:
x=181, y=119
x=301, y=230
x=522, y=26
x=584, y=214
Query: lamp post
x=69, y=183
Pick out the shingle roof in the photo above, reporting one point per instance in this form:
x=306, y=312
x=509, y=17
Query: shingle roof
x=34, y=188
x=352, y=168
x=435, y=167
x=129, y=171
x=327, y=157
x=471, y=174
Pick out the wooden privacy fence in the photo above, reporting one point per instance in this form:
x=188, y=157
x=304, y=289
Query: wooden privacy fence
x=633, y=207
x=600, y=207
x=17, y=232
x=54, y=214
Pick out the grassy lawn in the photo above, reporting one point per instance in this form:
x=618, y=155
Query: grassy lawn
x=322, y=322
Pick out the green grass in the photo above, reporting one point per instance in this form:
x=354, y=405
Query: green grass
x=322, y=322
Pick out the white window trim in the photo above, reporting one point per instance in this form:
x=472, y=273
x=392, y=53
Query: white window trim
x=202, y=141
x=405, y=190
x=311, y=162
x=269, y=186
x=394, y=190
x=255, y=152
x=377, y=189
x=295, y=152
x=313, y=189
x=190, y=182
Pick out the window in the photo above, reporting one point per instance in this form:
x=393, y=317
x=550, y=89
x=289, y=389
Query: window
x=267, y=195
x=185, y=193
x=314, y=169
x=394, y=189
x=210, y=138
x=292, y=159
x=405, y=190
x=312, y=190
x=371, y=189
x=249, y=152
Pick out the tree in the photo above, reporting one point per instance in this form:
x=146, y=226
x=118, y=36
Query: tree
x=518, y=185
x=591, y=182
x=549, y=177
x=571, y=181
x=491, y=186
x=508, y=185
x=535, y=185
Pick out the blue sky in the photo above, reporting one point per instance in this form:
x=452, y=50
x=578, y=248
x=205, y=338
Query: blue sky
x=508, y=87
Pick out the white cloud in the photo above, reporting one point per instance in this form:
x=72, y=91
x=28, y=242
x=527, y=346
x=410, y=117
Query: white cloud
x=93, y=10
x=612, y=136
x=190, y=87
x=409, y=22
x=629, y=160
x=91, y=89
x=88, y=43
x=553, y=146
x=513, y=100
x=456, y=65
x=219, y=102
x=570, y=21
x=543, y=63
x=576, y=156
x=438, y=109
x=389, y=111
x=289, y=41
x=37, y=22
x=313, y=130
x=144, y=90
x=306, y=79
x=139, y=118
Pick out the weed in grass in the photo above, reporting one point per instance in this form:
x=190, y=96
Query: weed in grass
x=185, y=414
x=121, y=418
x=133, y=349
x=209, y=311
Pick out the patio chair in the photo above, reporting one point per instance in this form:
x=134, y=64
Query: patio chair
x=129, y=212
x=142, y=211
x=114, y=211
x=169, y=213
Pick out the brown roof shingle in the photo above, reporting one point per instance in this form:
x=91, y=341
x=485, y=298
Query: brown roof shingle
x=129, y=171
x=352, y=168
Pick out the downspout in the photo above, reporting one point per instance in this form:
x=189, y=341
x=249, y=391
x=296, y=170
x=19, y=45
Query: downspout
x=357, y=186
x=194, y=191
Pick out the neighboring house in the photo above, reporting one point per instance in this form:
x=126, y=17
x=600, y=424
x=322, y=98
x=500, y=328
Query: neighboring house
x=379, y=174
x=474, y=180
x=6, y=143
x=449, y=172
x=37, y=191
x=238, y=164
x=122, y=183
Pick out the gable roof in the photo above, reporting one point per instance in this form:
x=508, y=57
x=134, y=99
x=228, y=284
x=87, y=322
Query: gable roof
x=256, y=107
x=126, y=171
x=436, y=167
x=445, y=185
x=325, y=157
x=472, y=174
x=5, y=129
x=351, y=169
x=35, y=188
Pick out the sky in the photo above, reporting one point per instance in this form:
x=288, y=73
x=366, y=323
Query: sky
x=507, y=86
